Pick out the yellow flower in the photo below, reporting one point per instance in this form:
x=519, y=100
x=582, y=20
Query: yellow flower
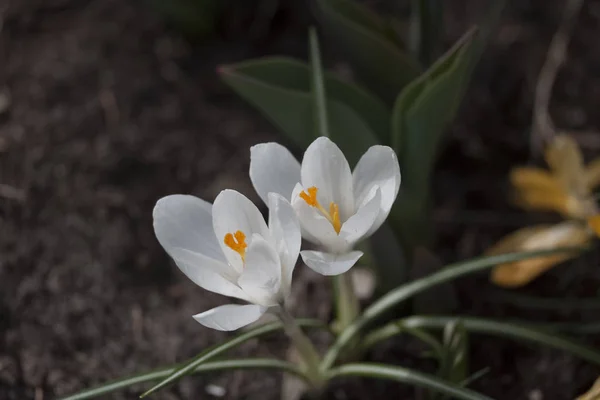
x=566, y=188
x=593, y=393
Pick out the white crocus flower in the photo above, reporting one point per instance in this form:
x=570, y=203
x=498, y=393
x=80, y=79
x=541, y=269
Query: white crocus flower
x=227, y=248
x=336, y=207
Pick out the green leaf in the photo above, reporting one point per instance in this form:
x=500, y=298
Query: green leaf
x=506, y=329
x=421, y=113
x=317, y=86
x=426, y=28
x=365, y=40
x=456, y=66
x=521, y=332
x=281, y=89
x=390, y=330
x=216, y=350
x=358, y=14
x=416, y=134
x=475, y=376
x=402, y=293
x=247, y=363
x=408, y=376
x=454, y=366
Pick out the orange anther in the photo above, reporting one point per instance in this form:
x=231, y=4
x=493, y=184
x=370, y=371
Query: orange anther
x=310, y=196
x=236, y=242
x=333, y=216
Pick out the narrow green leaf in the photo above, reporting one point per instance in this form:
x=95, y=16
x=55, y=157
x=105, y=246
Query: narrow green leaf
x=317, y=86
x=428, y=339
x=475, y=376
x=364, y=39
x=525, y=333
x=358, y=14
x=454, y=366
x=505, y=329
x=390, y=330
x=449, y=273
x=280, y=88
x=426, y=28
x=408, y=376
x=216, y=350
x=247, y=363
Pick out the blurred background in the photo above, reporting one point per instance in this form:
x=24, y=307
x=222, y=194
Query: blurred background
x=106, y=106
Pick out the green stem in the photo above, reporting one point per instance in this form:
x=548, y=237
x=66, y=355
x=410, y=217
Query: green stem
x=319, y=97
x=346, y=302
x=304, y=346
x=426, y=29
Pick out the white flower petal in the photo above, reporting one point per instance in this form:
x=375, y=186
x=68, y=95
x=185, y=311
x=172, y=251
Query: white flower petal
x=378, y=166
x=261, y=278
x=330, y=264
x=232, y=211
x=230, y=317
x=273, y=169
x=315, y=227
x=325, y=167
x=183, y=221
x=305, y=234
x=183, y=226
x=358, y=225
x=285, y=230
x=211, y=275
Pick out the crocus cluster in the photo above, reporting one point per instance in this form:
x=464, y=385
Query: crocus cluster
x=567, y=188
x=228, y=248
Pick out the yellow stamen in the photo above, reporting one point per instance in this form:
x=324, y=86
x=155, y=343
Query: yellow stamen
x=333, y=216
x=594, y=223
x=334, y=212
x=310, y=196
x=236, y=242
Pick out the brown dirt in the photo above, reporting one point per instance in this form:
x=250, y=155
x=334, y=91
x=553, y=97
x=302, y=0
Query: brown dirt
x=110, y=110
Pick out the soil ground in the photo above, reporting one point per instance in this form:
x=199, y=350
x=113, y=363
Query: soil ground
x=104, y=109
